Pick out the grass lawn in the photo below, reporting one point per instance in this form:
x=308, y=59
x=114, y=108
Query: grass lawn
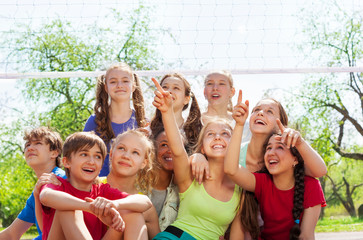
x=345, y=224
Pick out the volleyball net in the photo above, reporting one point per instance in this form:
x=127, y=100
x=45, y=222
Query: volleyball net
x=244, y=37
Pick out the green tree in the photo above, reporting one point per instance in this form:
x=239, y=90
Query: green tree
x=64, y=104
x=333, y=103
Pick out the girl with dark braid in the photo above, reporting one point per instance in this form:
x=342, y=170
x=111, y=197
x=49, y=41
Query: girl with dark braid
x=180, y=89
x=112, y=112
x=289, y=201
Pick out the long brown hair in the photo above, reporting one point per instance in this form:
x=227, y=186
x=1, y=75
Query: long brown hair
x=102, y=108
x=192, y=125
x=249, y=205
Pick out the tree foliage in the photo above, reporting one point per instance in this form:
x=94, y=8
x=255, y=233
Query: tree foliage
x=64, y=104
x=333, y=103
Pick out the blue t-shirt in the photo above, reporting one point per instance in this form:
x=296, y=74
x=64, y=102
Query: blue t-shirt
x=117, y=129
x=28, y=213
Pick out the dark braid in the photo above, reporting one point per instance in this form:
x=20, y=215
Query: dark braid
x=299, y=173
x=138, y=101
x=102, y=111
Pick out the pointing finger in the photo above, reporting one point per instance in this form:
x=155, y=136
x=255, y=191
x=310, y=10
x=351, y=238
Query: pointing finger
x=279, y=124
x=157, y=85
x=239, y=97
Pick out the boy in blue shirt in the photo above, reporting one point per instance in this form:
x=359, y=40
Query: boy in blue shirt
x=42, y=152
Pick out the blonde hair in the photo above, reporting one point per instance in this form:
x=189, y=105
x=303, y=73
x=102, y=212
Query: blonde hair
x=215, y=120
x=146, y=177
x=228, y=75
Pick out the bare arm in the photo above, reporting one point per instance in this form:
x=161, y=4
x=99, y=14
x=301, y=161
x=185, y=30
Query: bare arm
x=309, y=221
x=62, y=201
x=314, y=164
x=152, y=222
x=182, y=170
x=136, y=203
x=44, y=179
x=240, y=175
x=237, y=232
x=17, y=228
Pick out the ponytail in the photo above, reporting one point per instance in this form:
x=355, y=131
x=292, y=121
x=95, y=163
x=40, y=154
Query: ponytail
x=193, y=124
x=102, y=110
x=138, y=102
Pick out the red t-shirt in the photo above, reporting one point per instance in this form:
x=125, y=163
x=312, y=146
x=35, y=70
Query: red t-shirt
x=95, y=226
x=276, y=205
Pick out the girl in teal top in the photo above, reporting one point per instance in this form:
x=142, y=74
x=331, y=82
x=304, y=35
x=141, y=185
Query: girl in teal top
x=205, y=210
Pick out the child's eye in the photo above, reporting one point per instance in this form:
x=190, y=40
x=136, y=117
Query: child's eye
x=176, y=88
x=121, y=148
x=164, y=145
x=83, y=154
x=269, y=111
x=99, y=157
x=136, y=153
x=210, y=134
x=225, y=133
x=268, y=148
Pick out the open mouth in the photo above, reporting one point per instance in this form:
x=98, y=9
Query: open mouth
x=260, y=122
x=167, y=159
x=215, y=96
x=218, y=146
x=273, y=162
x=88, y=170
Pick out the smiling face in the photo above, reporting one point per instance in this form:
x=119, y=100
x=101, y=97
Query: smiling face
x=37, y=153
x=176, y=87
x=278, y=158
x=128, y=155
x=119, y=84
x=164, y=156
x=216, y=139
x=263, y=117
x=84, y=166
x=218, y=89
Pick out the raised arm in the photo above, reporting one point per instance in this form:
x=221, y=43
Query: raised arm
x=238, y=174
x=314, y=164
x=182, y=171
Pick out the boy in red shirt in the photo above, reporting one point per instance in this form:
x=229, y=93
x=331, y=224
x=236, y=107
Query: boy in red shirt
x=81, y=209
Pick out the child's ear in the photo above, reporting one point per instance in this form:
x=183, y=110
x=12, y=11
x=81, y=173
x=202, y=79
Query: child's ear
x=186, y=100
x=54, y=154
x=233, y=91
x=144, y=163
x=65, y=162
x=296, y=162
x=202, y=150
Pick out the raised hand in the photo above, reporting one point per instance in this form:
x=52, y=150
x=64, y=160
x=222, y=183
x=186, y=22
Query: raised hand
x=290, y=137
x=240, y=111
x=163, y=99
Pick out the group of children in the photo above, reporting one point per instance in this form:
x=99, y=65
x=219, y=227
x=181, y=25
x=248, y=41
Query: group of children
x=170, y=178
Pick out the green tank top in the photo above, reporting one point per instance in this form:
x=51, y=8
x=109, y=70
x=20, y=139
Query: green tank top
x=203, y=216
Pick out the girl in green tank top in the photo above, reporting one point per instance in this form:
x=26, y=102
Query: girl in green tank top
x=205, y=209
